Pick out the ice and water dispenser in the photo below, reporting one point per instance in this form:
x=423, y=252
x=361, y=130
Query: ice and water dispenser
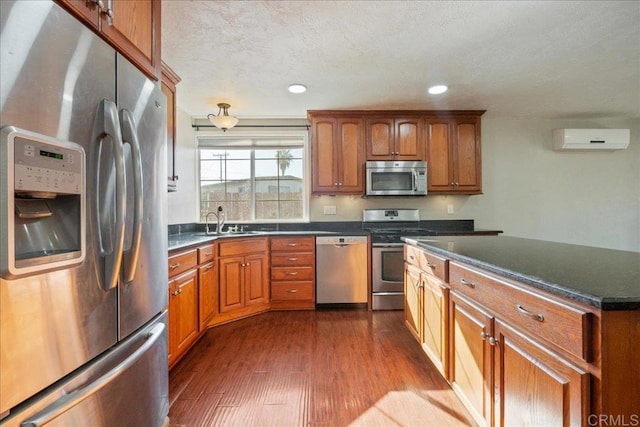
x=43, y=203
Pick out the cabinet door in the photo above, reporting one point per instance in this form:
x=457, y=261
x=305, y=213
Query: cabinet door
x=231, y=277
x=412, y=303
x=466, y=152
x=535, y=387
x=256, y=281
x=350, y=156
x=186, y=295
x=439, y=156
x=86, y=10
x=380, y=139
x=435, y=303
x=409, y=139
x=471, y=367
x=208, y=293
x=325, y=176
x=173, y=322
x=134, y=28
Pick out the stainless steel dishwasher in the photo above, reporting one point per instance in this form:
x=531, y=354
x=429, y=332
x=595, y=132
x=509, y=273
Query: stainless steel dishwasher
x=341, y=269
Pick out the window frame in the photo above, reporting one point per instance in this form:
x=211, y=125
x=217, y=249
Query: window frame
x=207, y=139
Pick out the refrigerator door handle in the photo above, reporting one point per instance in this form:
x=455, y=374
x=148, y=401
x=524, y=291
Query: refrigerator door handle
x=130, y=136
x=72, y=399
x=107, y=124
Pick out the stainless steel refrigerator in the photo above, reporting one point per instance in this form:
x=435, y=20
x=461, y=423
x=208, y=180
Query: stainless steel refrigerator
x=83, y=248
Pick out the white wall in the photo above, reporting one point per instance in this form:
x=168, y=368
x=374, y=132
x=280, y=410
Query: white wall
x=182, y=203
x=588, y=198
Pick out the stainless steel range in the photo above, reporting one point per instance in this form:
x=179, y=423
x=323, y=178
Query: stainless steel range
x=387, y=264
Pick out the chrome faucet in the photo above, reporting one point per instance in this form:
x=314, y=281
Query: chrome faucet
x=219, y=221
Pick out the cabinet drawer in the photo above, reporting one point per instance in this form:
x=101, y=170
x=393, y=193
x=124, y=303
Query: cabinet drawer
x=427, y=262
x=292, y=273
x=292, y=291
x=182, y=262
x=242, y=246
x=205, y=254
x=295, y=244
x=292, y=259
x=534, y=313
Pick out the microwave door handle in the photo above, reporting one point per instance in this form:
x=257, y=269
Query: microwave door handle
x=107, y=125
x=415, y=181
x=130, y=136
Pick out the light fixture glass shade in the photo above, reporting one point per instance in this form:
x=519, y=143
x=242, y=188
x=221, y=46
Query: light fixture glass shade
x=223, y=121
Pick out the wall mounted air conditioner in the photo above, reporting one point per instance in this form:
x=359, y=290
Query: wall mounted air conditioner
x=591, y=139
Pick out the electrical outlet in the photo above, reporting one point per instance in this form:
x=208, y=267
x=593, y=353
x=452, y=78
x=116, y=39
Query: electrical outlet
x=330, y=210
x=450, y=209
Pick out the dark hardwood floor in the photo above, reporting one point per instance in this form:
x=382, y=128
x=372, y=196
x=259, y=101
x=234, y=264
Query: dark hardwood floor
x=311, y=368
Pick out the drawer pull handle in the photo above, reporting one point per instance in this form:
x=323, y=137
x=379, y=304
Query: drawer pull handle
x=467, y=283
x=208, y=253
x=431, y=266
x=176, y=293
x=291, y=273
x=292, y=259
x=292, y=291
x=174, y=266
x=411, y=257
x=538, y=317
x=292, y=244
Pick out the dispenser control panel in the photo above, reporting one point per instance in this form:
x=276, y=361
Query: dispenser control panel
x=43, y=167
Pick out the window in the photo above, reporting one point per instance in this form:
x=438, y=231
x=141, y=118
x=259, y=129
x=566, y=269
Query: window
x=254, y=180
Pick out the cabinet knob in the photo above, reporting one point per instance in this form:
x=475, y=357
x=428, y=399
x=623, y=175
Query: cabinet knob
x=99, y=3
x=493, y=341
x=484, y=335
x=175, y=293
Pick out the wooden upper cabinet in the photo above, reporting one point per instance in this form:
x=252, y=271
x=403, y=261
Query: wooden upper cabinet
x=453, y=155
x=337, y=155
x=395, y=138
x=169, y=81
x=130, y=26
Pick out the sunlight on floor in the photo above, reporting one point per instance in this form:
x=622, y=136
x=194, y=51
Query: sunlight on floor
x=408, y=409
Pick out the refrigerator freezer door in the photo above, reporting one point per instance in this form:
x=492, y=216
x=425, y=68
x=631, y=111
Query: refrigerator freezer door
x=126, y=386
x=142, y=110
x=53, y=74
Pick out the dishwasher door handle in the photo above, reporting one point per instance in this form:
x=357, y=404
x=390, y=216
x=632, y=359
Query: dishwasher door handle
x=341, y=245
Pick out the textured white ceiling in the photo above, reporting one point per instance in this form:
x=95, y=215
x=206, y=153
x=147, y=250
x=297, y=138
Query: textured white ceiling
x=555, y=59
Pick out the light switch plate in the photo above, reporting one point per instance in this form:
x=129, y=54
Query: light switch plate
x=330, y=210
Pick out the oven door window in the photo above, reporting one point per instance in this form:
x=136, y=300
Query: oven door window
x=392, y=268
x=392, y=181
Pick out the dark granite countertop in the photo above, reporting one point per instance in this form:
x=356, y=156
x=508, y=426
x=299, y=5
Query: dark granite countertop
x=604, y=278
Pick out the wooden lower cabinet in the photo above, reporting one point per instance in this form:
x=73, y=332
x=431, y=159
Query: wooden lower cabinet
x=412, y=301
x=435, y=322
x=183, y=313
x=208, y=293
x=534, y=387
x=293, y=273
x=471, y=369
x=243, y=278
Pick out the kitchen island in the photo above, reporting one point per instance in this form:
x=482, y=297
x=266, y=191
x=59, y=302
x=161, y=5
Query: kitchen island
x=526, y=331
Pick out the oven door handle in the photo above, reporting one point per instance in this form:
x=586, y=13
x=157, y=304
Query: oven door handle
x=387, y=245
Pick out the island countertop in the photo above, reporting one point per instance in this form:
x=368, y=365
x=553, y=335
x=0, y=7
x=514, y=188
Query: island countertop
x=604, y=278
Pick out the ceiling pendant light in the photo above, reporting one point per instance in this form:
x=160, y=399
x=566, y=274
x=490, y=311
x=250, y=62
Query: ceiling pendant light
x=223, y=121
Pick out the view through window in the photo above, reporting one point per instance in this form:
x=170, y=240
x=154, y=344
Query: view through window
x=253, y=184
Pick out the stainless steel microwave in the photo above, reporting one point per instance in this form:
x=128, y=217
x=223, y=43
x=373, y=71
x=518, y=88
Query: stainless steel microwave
x=396, y=178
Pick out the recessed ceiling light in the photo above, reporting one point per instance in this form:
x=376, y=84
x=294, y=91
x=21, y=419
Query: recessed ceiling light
x=297, y=88
x=438, y=89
